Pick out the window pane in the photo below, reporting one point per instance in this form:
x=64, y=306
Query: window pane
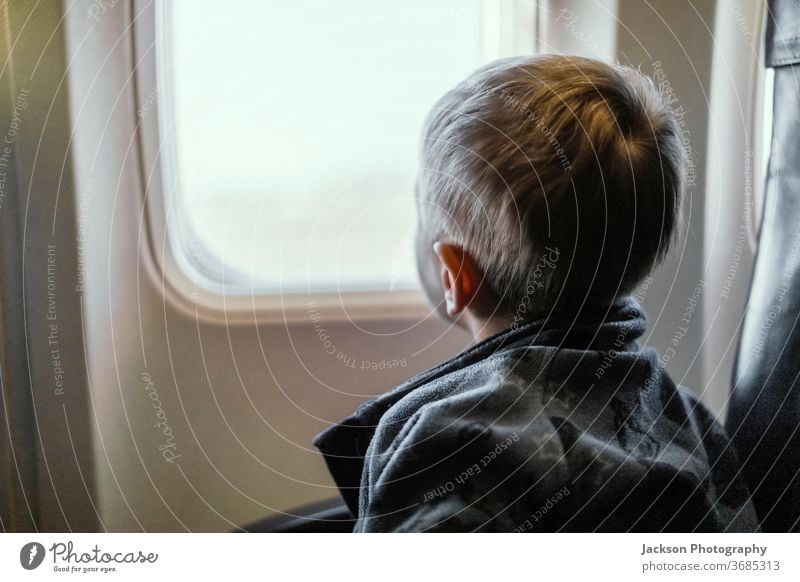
x=296, y=131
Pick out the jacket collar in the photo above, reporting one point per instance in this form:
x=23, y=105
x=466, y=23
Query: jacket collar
x=344, y=444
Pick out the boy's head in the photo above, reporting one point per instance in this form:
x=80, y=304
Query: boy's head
x=547, y=183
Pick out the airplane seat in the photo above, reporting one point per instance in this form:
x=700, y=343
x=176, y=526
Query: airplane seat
x=764, y=415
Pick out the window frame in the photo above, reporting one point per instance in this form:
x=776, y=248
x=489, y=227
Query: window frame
x=189, y=282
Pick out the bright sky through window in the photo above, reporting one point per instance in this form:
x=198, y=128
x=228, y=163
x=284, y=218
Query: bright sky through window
x=296, y=131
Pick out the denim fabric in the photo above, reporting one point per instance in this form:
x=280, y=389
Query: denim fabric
x=555, y=425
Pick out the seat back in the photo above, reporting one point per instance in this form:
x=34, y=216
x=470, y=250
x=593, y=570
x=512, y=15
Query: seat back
x=764, y=415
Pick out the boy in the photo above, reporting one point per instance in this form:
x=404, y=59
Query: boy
x=550, y=187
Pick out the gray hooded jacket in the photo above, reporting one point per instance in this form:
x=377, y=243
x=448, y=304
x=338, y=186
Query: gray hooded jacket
x=550, y=426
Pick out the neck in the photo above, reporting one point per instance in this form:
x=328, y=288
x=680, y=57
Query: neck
x=483, y=328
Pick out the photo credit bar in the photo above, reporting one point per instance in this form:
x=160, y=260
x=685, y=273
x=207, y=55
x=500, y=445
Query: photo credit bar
x=332, y=557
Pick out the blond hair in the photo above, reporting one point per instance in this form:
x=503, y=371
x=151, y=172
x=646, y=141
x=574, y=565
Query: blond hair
x=531, y=155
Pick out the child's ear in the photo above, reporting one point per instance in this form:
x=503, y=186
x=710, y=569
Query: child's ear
x=460, y=276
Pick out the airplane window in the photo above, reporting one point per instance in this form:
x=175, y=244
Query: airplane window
x=295, y=131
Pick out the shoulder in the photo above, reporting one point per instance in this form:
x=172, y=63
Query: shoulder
x=462, y=424
x=461, y=403
x=457, y=461
x=722, y=464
